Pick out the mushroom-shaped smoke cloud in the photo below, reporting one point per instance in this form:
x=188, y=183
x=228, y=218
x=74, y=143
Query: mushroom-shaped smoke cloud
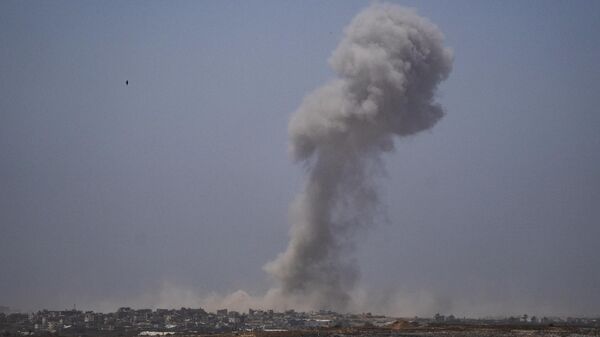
x=389, y=64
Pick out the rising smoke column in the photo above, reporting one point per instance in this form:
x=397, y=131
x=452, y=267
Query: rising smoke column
x=389, y=64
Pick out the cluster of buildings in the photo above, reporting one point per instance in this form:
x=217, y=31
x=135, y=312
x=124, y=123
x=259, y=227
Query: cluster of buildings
x=524, y=320
x=186, y=321
x=126, y=321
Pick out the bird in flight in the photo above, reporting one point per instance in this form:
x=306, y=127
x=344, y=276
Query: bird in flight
x=126, y=82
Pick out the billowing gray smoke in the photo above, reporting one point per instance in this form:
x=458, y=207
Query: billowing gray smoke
x=389, y=65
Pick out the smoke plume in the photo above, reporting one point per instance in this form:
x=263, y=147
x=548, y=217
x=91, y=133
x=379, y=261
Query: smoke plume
x=388, y=64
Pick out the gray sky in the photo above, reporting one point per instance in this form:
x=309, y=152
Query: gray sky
x=110, y=194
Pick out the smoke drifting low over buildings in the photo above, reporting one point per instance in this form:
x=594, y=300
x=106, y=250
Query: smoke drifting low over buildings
x=173, y=321
x=194, y=321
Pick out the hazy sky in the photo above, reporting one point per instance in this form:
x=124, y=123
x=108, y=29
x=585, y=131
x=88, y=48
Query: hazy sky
x=180, y=183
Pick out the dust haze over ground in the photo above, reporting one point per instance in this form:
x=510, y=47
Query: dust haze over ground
x=389, y=64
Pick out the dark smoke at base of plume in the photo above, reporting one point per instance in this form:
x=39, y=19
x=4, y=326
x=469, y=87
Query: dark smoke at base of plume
x=389, y=65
